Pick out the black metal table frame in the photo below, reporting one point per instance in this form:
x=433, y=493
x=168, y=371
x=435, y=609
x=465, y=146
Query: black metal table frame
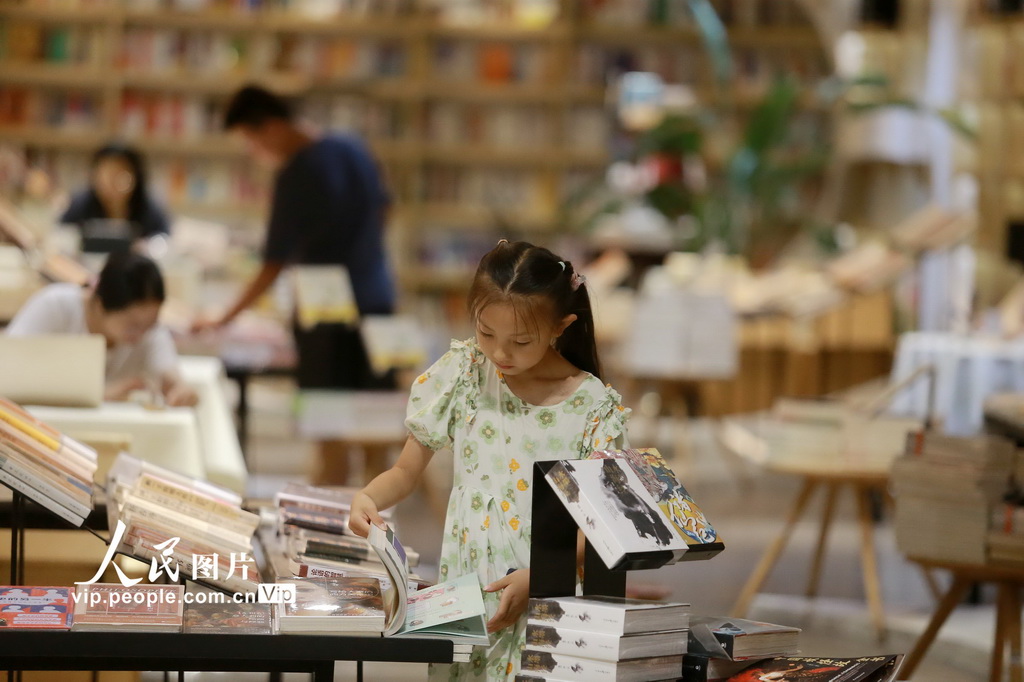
x=316, y=654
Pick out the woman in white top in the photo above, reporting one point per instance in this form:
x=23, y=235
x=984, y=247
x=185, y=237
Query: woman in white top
x=123, y=306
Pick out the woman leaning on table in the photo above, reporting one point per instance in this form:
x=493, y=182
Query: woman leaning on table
x=123, y=306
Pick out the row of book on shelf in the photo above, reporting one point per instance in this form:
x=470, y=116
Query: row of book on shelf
x=197, y=537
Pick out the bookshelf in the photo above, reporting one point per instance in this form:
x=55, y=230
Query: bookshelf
x=483, y=122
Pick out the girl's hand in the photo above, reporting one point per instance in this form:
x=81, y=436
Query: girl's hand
x=515, y=595
x=363, y=513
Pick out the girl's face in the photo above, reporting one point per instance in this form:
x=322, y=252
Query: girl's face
x=129, y=325
x=512, y=343
x=113, y=180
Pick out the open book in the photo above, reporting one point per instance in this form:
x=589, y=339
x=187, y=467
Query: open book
x=451, y=610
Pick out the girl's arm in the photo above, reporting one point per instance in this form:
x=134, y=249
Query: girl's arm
x=389, y=488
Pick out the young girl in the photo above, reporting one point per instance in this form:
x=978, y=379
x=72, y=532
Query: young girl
x=526, y=388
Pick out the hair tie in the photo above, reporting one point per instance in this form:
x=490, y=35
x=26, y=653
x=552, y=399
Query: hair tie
x=576, y=280
x=502, y=241
x=562, y=263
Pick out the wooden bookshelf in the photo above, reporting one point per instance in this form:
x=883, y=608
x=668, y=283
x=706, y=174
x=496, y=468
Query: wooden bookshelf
x=393, y=77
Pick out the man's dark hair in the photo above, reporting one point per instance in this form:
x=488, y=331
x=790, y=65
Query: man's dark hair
x=127, y=279
x=254, y=106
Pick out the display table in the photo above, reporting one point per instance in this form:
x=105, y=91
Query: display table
x=864, y=478
x=197, y=441
x=968, y=371
x=316, y=654
x=1009, y=581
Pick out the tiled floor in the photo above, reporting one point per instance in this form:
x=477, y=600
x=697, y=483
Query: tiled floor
x=747, y=508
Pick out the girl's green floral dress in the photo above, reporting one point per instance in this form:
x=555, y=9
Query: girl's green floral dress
x=462, y=401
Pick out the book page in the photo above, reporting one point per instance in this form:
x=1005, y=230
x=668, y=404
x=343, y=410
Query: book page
x=455, y=607
x=392, y=555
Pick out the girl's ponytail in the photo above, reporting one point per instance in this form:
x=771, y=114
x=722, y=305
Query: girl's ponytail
x=578, y=343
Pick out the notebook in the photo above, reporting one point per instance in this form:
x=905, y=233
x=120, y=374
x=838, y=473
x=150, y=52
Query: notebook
x=53, y=369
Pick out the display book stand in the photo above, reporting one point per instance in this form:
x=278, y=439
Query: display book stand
x=553, y=550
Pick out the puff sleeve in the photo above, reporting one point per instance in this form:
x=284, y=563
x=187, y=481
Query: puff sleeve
x=606, y=426
x=444, y=395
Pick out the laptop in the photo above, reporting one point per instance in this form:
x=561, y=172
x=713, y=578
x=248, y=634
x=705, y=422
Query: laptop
x=53, y=369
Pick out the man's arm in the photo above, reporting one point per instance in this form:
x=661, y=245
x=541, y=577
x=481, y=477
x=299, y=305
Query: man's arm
x=256, y=287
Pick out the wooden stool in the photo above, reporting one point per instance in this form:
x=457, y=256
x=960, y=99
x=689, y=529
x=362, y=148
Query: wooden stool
x=1009, y=580
x=832, y=474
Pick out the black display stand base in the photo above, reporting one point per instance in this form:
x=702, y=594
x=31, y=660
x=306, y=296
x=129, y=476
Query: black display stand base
x=553, y=549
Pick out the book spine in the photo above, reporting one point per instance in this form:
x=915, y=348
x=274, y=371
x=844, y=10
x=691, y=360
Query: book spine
x=43, y=485
x=72, y=466
x=74, y=485
x=36, y=496
x=231, y=518
x=134, y=508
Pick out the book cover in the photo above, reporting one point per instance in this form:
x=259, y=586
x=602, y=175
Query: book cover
x=229, y=619
x=738, y=638
x=46, y=608
x=676, y=504
x=563, y=667
x=604, y=646
x=865, y=669
x=349, y=604
x=617, y=515
x=323, y=294
x=140, y=608
x=611, y=615
x=703, y=668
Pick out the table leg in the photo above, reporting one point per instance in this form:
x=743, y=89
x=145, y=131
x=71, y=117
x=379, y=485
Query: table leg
x=933, y=585
x=999, y=643
x=323, y=671
x=819, y=552
x=869, y=565
x=243, y=414
x=771, y=555
x=1010, y=593
x=949, y=602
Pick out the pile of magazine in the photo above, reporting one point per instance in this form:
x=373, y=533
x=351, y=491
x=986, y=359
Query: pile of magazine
x=947, y=489
x=173, y=519
x=44, y=465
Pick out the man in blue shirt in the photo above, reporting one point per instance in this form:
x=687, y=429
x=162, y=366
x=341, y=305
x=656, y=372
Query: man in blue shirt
x=328, y=208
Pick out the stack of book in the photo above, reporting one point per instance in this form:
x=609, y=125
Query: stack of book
x=314, y=534
x=1006, y=539
x=44, y=465
x=946, y=489
x=604, y=638
x=171, y=518
x=721, y=647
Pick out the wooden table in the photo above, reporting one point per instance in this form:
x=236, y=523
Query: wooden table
x=832, y=473
x=1009, y=580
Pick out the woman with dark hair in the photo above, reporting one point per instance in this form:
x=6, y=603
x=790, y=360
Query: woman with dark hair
x=117, y=192
x=123, y=307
